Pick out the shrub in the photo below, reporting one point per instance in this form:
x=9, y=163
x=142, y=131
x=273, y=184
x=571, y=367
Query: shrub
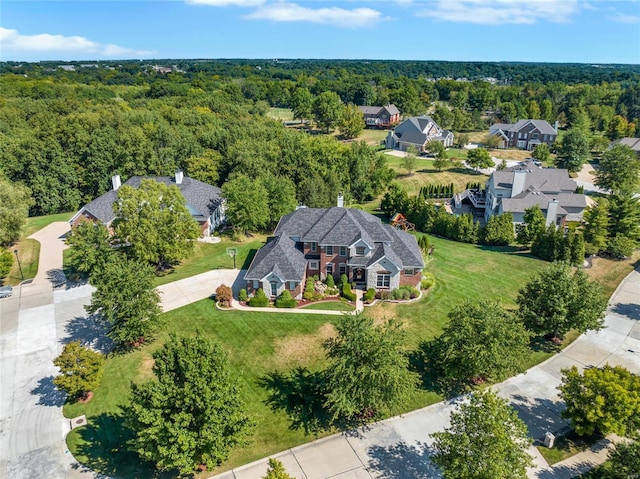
x=428, y=281
x=308, y=286
x=285, y=300
x=343, y=279
x=400, y=293
x=6, y=261
x=332, y=291
x=224, y=295
x=329, y=281
x=384, y=295
x=308, y=295
x=259, y=300
x=370, y=295
x=242, y=295
x=346, y=292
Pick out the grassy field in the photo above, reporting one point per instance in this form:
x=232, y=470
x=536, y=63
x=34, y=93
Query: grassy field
x=284, y=114
x=372, y=136
x=38, y=222
x=330, y=306
x=566, y=447
x=29, y=255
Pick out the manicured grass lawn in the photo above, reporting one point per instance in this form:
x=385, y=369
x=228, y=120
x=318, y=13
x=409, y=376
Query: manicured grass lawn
x=284, y=114
x=38, y=222
x=207, y=256
x=372, y=136
x=330, y=306
x=29, y=255
x=610, y=272
x=567, y=446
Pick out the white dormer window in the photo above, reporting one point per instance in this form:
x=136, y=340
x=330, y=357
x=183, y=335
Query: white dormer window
x=359, y=250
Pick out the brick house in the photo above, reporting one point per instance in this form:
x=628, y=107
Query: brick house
x=204, y=201
x=380, y=116
x=417, y=131
x=525, y=134
x=334, y=241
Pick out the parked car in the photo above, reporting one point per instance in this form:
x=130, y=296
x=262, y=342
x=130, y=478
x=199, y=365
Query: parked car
x=6, y=291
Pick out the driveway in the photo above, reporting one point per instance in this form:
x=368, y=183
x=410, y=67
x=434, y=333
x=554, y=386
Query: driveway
x=52, y=245
x=399, y=446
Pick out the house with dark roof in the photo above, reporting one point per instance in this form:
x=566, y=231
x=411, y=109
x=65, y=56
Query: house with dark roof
x=380, y=116
x=334, y=241
x=204, y=201
x=633, y=143
x=518, y=188
x=417, y=131
x=525, y=134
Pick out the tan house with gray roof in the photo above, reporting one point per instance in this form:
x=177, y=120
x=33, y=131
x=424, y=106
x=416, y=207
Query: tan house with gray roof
x=525, y=134
x=417, y=131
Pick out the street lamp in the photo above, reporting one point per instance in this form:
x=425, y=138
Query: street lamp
x=15, y=251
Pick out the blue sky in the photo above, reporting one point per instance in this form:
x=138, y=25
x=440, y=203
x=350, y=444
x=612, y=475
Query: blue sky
x=594, y=31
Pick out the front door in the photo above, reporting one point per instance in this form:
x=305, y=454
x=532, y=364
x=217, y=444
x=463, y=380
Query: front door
x=358, y=275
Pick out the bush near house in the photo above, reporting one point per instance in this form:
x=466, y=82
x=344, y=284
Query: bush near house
x=224, y=295
x=259, y=300
x=345, y=292
x=369, y=296
x=285, y=300
x=428, y=281
x=242, y=295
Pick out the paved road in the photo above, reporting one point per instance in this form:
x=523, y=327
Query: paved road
x=399, y=447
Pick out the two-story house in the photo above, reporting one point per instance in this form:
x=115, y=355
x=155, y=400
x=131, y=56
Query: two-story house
x=334, y=241
x=204, y=201
x=518, y=188
x=525, y=134
x=380, y=116
x=417, y=131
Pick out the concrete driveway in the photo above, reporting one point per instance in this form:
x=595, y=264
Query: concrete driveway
x=52, y=245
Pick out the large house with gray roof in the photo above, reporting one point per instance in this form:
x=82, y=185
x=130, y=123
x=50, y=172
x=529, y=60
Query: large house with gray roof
x=380, y=116
x=204, y=201
x=417, y=131
x=633, y=143
x=514, y=190
x=525, y=134
x=334, y=241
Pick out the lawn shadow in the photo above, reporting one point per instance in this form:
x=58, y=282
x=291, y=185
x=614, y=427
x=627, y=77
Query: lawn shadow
x=575, y=470
x=540, y=416
x=49, y=394
x=103, y=441
x=541, y=344
x=302, y=395
x=402, y=461
x=90, y=331
x=424, y=361
x=628, y=310
x=247, y=261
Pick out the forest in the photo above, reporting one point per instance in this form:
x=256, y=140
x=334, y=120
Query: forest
x=63, y=134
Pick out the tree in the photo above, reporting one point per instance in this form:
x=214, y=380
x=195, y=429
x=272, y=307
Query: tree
x=556, y=301
x=192, y=414
x=154, y=222
x=483, y=341
x=204, y=167
x=619, y=128
x=541, y=153
x=573, y=151
x=479, y=158
x=281, y=193
x=534, y=225
x=327, y=110
x=351, y=121
x=368, y=371
x=596, y=226
x=276, y=470
x=624, y=215
x=302, y=104
x=604, y=400
x=439, y=152
x=409, y=160
x=623, y=460
x=486, y=439
x=80, y=369
x=126, y=298
x=90, y=247
x=498, y=231
x=620, y=246
x=619, y=170
x=6, y=262
x=15, y=201
x=247, y=203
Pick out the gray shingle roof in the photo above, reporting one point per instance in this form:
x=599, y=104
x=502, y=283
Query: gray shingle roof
x=633, y=143
x=202, y=199
x=376, y=110
x=280, y=256
x=547, y=180
x=542, y=125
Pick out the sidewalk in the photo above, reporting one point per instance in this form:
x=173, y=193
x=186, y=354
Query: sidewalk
x=399, y=446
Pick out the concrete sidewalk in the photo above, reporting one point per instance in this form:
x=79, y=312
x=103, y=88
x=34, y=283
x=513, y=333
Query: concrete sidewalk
x=399, y=447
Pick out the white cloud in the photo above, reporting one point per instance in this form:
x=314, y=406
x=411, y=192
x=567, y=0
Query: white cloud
x=13, y=41
x=227, y=3
x=498, y=12
x=624, y=18
x=341, y=17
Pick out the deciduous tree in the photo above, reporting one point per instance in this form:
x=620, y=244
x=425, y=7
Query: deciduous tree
x=410, y=159
x=327, y=110
x=596, y=226
x=15, y=201
x=541, y=153
x=486, y=439
x=619, y=170
x=573, y=151
x=276, y=470
x=498, y=231
x=534, y=224
x=90, y=247
x=192, y=413
x=302, y=104
x=247, y=203
x=351, y=121
x=624, y=461
x=80, y=369
x=479, y=158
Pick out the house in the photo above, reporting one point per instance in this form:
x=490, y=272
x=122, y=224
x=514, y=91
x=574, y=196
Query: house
x=518, y=188
x=203, y=201
x=417, y=131
x=525, y=134
x=334, y=241
x=380, y=116
x=633, y=143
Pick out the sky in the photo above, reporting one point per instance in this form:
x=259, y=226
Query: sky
x=594, y=31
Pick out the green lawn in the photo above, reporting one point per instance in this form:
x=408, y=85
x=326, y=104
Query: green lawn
x=284, y=114
x=566, y=447
x=372, y=136
x=38, y=222
x=330, y=306
x=29, y=255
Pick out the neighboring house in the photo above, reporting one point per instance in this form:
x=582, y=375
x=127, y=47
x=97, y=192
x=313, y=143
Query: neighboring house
x=380, y=116
x=633, y=143
x=334, y=241
x=525, y=134
x=203, y=201
x=417, y=131
x=518, y=188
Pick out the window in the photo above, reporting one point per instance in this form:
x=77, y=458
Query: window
x=329, y=250
x=313, y=265
x=544, y=137
x=408, y=272
x=384, y=280
x=343, y=251
x=359, y=250
x=314, y=246
x=343, y=268
x=292, y=285
x=329, y=269
x=534, y=136
x=256, y=284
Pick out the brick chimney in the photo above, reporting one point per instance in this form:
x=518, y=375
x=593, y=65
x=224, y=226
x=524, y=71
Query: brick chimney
x=179, y=177
x=115, y=182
